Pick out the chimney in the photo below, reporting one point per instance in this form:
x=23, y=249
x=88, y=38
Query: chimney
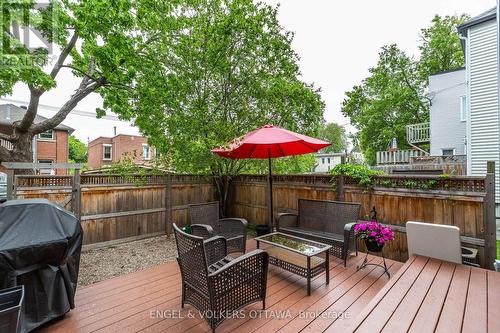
x=114, y=130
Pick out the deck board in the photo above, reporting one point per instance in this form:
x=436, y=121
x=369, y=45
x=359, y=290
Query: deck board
x=388, y=303
x=341, y=324
x=427, y=316
x=124, y=304
x=327, y=312
x=402, y=318
x=475, y=310
x=430, y=295
x=454, y=305
x=493, y=301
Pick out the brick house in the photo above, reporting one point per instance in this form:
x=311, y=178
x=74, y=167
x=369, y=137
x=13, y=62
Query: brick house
x=50, y=146
x=105, y=150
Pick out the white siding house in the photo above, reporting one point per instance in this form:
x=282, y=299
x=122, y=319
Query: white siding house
x=480, y=46
x=448, y=113
x=327, y=161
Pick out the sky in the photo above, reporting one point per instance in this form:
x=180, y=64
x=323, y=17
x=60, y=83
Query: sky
x=337, y=41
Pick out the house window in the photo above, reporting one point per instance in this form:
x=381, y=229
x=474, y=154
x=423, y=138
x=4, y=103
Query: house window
x=46, y=171
x=157, y=153
x=448, y=152
x=47, y=135
x=107, y=152
x=323, y=160
x=463, y=108
x=328, y=160
x=146, y=152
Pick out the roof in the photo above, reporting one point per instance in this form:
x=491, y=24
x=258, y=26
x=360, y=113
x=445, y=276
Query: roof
x=110, y=138
x=330, y=154
x=17, y=114
x=449, y=71
x=483, y=17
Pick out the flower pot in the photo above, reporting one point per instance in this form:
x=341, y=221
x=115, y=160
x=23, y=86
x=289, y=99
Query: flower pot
x=373, y=246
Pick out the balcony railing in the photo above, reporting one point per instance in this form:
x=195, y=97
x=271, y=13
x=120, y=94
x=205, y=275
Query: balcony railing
x=397, y=156
x=418, y=133
x=6, y=144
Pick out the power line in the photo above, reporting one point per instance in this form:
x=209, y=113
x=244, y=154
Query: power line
x=73, y=112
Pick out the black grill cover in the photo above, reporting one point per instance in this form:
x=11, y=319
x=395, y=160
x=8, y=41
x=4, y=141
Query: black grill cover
x=40, y=246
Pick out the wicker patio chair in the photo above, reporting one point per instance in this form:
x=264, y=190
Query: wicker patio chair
x=233, y=229
x=215, y=283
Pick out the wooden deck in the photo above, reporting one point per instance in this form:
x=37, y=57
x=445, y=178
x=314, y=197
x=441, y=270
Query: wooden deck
x=149, y=301
x=429, y=295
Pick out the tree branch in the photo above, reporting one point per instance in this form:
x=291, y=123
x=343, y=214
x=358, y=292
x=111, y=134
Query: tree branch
x=412, y=88
x=80, y=71
x=35, y=93
x=64, y=54
x=67, y=107
x=30, y=114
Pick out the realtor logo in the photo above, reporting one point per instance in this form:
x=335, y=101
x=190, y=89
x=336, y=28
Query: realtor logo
x=20, y=20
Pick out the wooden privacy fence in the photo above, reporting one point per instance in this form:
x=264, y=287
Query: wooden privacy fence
x=466, y=202
x=115, y=207
x=119, y=207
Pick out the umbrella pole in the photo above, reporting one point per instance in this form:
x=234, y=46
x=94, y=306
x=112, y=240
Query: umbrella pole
x=270, y=185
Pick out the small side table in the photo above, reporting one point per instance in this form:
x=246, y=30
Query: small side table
x=366, y=263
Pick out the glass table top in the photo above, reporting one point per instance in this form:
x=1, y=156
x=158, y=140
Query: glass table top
x=295, y=244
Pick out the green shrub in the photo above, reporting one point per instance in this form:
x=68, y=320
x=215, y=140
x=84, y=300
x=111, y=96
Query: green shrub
x=361, y=174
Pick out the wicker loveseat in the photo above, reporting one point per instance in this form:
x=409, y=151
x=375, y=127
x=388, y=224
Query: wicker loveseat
x=205, y=222
x=215, y=283
x=329, y=222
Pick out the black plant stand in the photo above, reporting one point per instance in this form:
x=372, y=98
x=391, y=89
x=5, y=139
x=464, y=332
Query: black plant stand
x=366, y=263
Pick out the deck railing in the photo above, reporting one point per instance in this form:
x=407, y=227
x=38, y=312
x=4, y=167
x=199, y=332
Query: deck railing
x=6, y=144
x=398, y=156
x=418, y=133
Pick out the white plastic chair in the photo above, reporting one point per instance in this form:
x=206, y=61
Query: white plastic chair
x=434, y=241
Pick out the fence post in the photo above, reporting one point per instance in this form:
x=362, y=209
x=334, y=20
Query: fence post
x=10, y=184
x=168, y=205
x=76, y=195
x=340, y=188
x=14, y=187
x=490, y=216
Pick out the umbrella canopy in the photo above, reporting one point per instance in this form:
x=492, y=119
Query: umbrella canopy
x=269, y=142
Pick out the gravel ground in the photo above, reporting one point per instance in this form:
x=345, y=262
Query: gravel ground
x=101, y=264
x=104, y=263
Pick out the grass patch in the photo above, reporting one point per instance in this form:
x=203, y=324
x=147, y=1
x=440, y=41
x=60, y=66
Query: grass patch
x=498, y=249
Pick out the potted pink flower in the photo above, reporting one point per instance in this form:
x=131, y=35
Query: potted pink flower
x=374, y=234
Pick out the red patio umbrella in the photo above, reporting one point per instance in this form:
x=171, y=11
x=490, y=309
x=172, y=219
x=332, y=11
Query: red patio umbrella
x=269, y=142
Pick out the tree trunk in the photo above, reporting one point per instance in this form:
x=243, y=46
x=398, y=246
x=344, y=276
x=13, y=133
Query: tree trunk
x=222, y=186
x=22, y=150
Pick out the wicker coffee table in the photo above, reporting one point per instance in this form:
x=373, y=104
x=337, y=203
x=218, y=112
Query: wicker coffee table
x=297, y=255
